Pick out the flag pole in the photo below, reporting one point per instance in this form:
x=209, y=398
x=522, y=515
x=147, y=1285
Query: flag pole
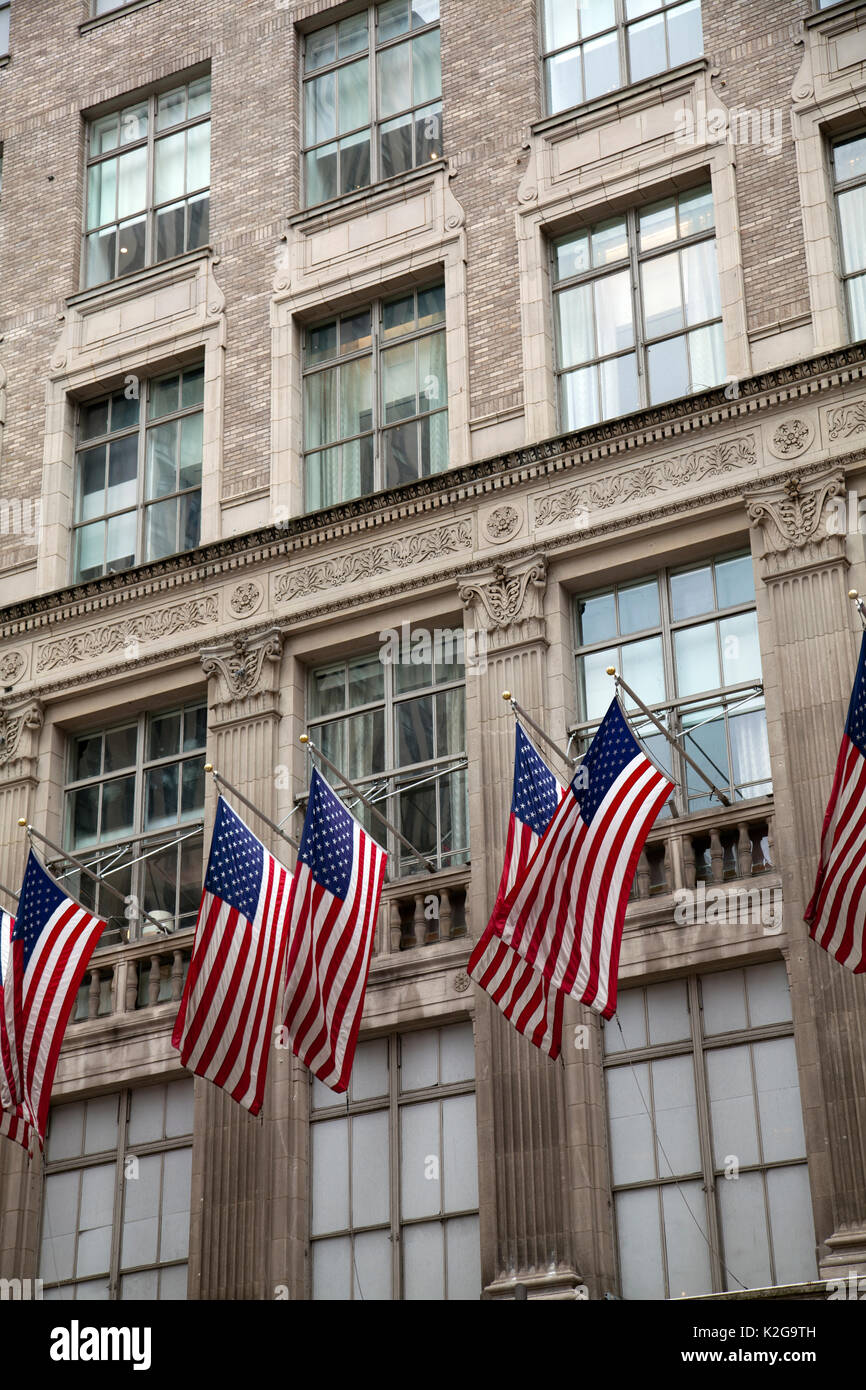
x=8, y=892
x=222, y=781
x=31, y=831
x=861, y=607
x=621, y=685
x=520, y=712
x=371, y=805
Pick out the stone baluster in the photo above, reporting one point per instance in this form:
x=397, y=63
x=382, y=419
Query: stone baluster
x=93, y=994
x=717, y=855
x=419, y=921
x=396, y=926
x=744, y=850
x=176, y=976
x=445, y=915
x=154, y=981
x=131, y=985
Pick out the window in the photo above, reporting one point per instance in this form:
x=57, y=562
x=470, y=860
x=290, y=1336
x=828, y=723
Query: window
x=721, y=1200
x=686, y=641
x=849, y=170
x=375, y=398
x=372, y=97
x=618, y=348
x=138, y=474
x=4, y=29
x=595, y=46
x=397, y=729
x=115, y=1207
x=148, y=179
x=411, y=1108
x=133, y=806
x=106, y=6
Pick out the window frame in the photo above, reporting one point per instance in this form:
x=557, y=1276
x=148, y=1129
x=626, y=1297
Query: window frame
x=380, y=428
x=674, y=705
x=697, y=1046
x=643, y=341
x=151, y=208
x=392, y=1104
x=143, y=504
x=374, y=122
x=6, y=8
x=119, y=1155
x=139, y=839
x=620, y=26
x=841, y=186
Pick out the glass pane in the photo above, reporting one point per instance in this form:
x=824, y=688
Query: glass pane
x=104, y=134
x=145, y=1284
x=700, y=283
x=571, y=256
x=619, y=386
x=101, y=193
x=59, y=1210
x=696, y=210
x=146, y=1114
x=320, y=114
x=627, y=1029
x=658, y=224
x=164, y=736
x=332, y=1269
x=708, y=747
x=65, y=1132
x=392, y=18
x=372, y=1266
x=768, y=994
x=321, y=174
x=781, y=1115
x=792, y=1225
x=198, y=157
x=320, y=48
x=171, y=108
x=352, y=35
x=697, y=659
x=685, y=35
x=355, y=396
x=426, y=68
x=732, y=1107
x=646, y=47
x=852, y=219
x=668, y=370
x=676, y=1116
x=369, y=1070
x=684, y=1213
x=91, y=483
x=414, y=729
x=432, y=379
x=395, y=144
x=724, y=1004
x=395, y=79
x=609, y=242
x=100, y=1130
x=100, y=257
x=420, y=1176
x=849, y=159
x=668, y=1007
x=83, y=814
x=178, y=1107
x=118, y=798
x=366, y=681
x=97, y=1205
x=161, y=786
x=662, y=298
x=631, y=1138
x=643, y=669
x=596, y=618
x=161, y=529
x=169, y=177
x=431, y=306
x=575, y=324
x=741, y=654
x=744, y=1231
x=139, y=1245
x=613, y=312
x=330, y=1160
x=122, y=473
x=639, y=607
x=419, y=1060
x=321, y=400
x=639, y=1238
x=370, y=1169
x=174, y=1224
x=170, y=234
x=735, y=581
x=580, y=398
x=399, y=381
x=596, y=685
x=120, y=746
x=131, y=246
x=423, y=1262
x=132, y=182
x=463, y=1258
x=459, y=1158
x=353, y=96
x=198, y=97
x=559, y=18
x=191, y=439
x=601, y=66
x=457, y=1053
x=692, y=593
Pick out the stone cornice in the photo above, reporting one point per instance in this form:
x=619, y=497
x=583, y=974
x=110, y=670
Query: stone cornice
x=560, y=455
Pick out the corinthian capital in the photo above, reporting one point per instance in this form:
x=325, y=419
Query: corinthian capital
x=506, y=594
x=244, y=667
x=795, y=517
x=19, y=727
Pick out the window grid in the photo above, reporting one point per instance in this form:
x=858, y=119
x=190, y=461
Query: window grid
x=393, y=1103
x=849, y=176
x=167, y=883
x=597, y=383
x=374, y=442
x=363, y=739
x=121, y=1156
x=699, y=1046
x=158, y=222
x=658, y=661
x=592, y=47
x=158, y=508
x=368, y=148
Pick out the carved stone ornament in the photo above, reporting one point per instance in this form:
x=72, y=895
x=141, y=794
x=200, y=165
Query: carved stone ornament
x=461, y=982
x=576, y=504
x=792, y=516
x=791, y=438
x=12, y=667
x=506, y=594
x=403, y=553
x=239, y=666
x=847, y=420
x=128, y=636
x=15, y=720
x=246, y=599
x=502, y=523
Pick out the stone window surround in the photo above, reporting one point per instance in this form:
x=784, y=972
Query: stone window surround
x=79, y=371
x=551, y=206
x=354, y=277
x=826, y=104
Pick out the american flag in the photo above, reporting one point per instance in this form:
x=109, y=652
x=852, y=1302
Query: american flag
x=837, y=911
x=50, y=944
x=521, y=991
x=565, y=915
x=12, y=1122
x=332, y=924
x=224, y=1025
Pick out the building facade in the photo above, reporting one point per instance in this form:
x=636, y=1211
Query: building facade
x=381, y=358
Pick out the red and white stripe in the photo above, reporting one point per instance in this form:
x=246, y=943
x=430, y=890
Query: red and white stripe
x=518, y=988
x=837, y=911
x=223, y=1026
x=566, y=915
x=12, y=1123
x=330, y=945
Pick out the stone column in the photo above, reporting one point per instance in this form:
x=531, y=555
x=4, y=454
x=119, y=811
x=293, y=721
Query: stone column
x=809, y=644
x=242, y=1165
x=526, y=1228
x=20, y=724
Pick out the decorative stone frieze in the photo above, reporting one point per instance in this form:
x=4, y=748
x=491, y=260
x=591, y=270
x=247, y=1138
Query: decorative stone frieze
x=128, y=635
x=402, y=553
x=13, y=665
x=792, y=438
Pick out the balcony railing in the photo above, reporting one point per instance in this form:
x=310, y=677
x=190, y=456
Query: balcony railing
x=422, y=910
x=712, y=847
x=143, y=975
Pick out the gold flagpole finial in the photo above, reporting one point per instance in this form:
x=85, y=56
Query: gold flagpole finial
x=208, y=767
x=305, y=738
x=852, y=593
x=611, y=670
x=506, y=694
x=22, y=821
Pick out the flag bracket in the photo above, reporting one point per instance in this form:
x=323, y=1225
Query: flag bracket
x=223, y=782
x=31, y=831
x=371, y=805
x=621, y=685
x=859, y=604
x=520, y=713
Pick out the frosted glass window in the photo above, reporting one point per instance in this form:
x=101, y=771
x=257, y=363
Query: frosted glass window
x=459, y=1158
x=370, y=1169
x=723, y=1001
x=626, y=1031
x=744, y=1230
x=424, y=1261
x=419, y=1060
x=420, y=1163
x=100, y=1129
x=174, y=1226
x=732, y=1106
x=332, y=1269
x=668, y=1008
x=768, y=994
x=330, y=1141
x=457, y=1054
x=675, y=1116
x=684, y=1213
x=369, y=1071
x=146, y=1114
x=65, y=1132
x=640, y=1246
x=141, y=1213
x=791, y=1223
x=178, y=1108
x=372, y=1266
x=779, y=1100
x=630, y=1128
